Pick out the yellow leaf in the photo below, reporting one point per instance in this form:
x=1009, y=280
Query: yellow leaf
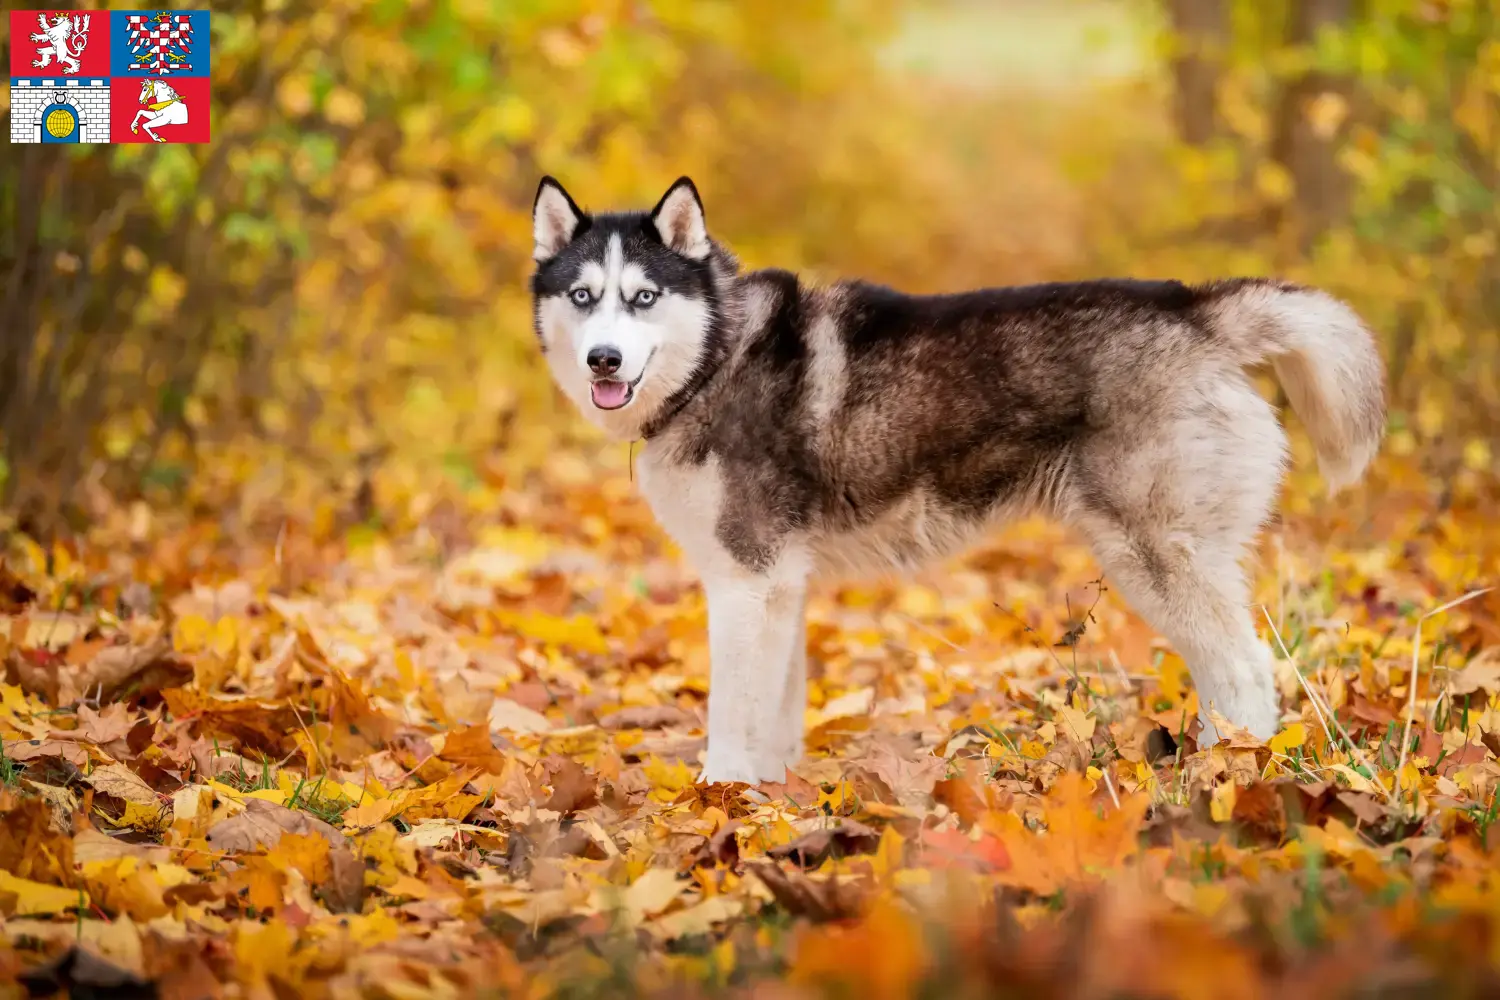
x=652, y=893
x=578, y=632
x=370, y=813
x=835, y=801
x=1077, y=724
x=226, y=637
x=889, y=854
x=191, y=633
x=700, y=919
x=142, y=816
x=667, y=779
x=1221, y=805
x=22, y=897
x=1292, y=736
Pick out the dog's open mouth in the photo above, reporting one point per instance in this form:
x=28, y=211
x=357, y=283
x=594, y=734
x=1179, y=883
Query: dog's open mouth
x=609, y=394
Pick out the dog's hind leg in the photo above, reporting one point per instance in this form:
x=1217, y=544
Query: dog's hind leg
x=1194, y=593
x=1170, y=511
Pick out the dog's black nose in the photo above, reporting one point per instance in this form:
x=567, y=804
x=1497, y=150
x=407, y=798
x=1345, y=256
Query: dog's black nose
x=604, y=360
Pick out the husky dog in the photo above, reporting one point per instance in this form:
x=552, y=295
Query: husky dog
x=793, y=432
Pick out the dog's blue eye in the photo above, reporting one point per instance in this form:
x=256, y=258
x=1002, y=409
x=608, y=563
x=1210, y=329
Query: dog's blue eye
x=645, y=297
x=581, y=296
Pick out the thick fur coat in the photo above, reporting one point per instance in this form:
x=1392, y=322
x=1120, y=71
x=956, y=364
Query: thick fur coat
x=794, y=432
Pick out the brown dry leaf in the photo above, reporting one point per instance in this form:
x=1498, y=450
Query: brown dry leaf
x=106, y=726
x=143, y=669
x=1367, y=808
x=573, y=788
x=473, y=746
x=909, y=777
x=344, y=890
x=795, y=789
x=28, y=750
x=122, y=783
x=81, y=971
x=262, y=825
x=801, y=895
x=841, y=840
x=63, y=802
x=646, y=717
x=29, y=845
x=1260, y=807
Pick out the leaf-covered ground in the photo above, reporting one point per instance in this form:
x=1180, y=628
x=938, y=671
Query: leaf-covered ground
x=243, y=763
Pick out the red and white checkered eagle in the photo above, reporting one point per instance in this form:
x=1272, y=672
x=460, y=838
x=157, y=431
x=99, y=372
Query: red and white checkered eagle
x=160, y=43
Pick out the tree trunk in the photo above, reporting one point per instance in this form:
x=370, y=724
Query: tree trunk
x=1202, y=30
x=1306, y=143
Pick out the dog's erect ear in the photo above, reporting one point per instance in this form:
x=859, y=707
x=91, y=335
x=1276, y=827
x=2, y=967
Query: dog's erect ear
x=678, y=218
x=554, y=219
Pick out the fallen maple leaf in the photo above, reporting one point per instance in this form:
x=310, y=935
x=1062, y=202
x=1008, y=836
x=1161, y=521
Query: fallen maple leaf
x=949, y=848
x=653, y=892
x=880, y=956
x=113, y=723
x=473, y=746
x=262, y=825
x=698, y=919
x=645, y=717
x=20, y=897
x=1083, y=840
x=143, y=669
x=121, y=782
x=910, y=778
x=573, y=788
x=795, y=789
x=846, y=838
x=818, y=900
x=1293, y=735
x=509, y=716
x=27, y=750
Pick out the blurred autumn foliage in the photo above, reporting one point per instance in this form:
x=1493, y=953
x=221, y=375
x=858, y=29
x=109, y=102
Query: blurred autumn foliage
x=340, y=659
x=331, y=295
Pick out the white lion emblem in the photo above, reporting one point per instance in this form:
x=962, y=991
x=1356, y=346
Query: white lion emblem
x=68, y=37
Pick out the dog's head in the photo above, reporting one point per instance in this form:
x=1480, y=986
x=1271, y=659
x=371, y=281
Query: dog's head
x=626, y=303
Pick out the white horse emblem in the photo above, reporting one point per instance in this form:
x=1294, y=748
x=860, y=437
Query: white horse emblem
x=164, y=106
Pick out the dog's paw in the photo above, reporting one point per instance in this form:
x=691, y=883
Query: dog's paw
x=1260, y=717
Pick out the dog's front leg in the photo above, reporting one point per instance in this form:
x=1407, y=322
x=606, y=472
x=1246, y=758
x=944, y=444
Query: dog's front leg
x=754, y=630
x=792, y=710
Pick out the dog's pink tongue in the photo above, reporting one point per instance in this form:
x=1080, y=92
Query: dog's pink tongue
x=610, y=395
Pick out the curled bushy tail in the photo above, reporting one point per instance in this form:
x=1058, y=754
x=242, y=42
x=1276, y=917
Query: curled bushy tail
x=1325, y=359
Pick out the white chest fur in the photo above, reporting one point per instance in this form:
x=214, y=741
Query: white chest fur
x=687, y=501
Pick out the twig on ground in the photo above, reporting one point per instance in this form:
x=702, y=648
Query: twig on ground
x=1416, y=653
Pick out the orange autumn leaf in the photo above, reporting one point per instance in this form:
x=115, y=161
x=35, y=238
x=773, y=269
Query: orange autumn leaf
x=1084, y=840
